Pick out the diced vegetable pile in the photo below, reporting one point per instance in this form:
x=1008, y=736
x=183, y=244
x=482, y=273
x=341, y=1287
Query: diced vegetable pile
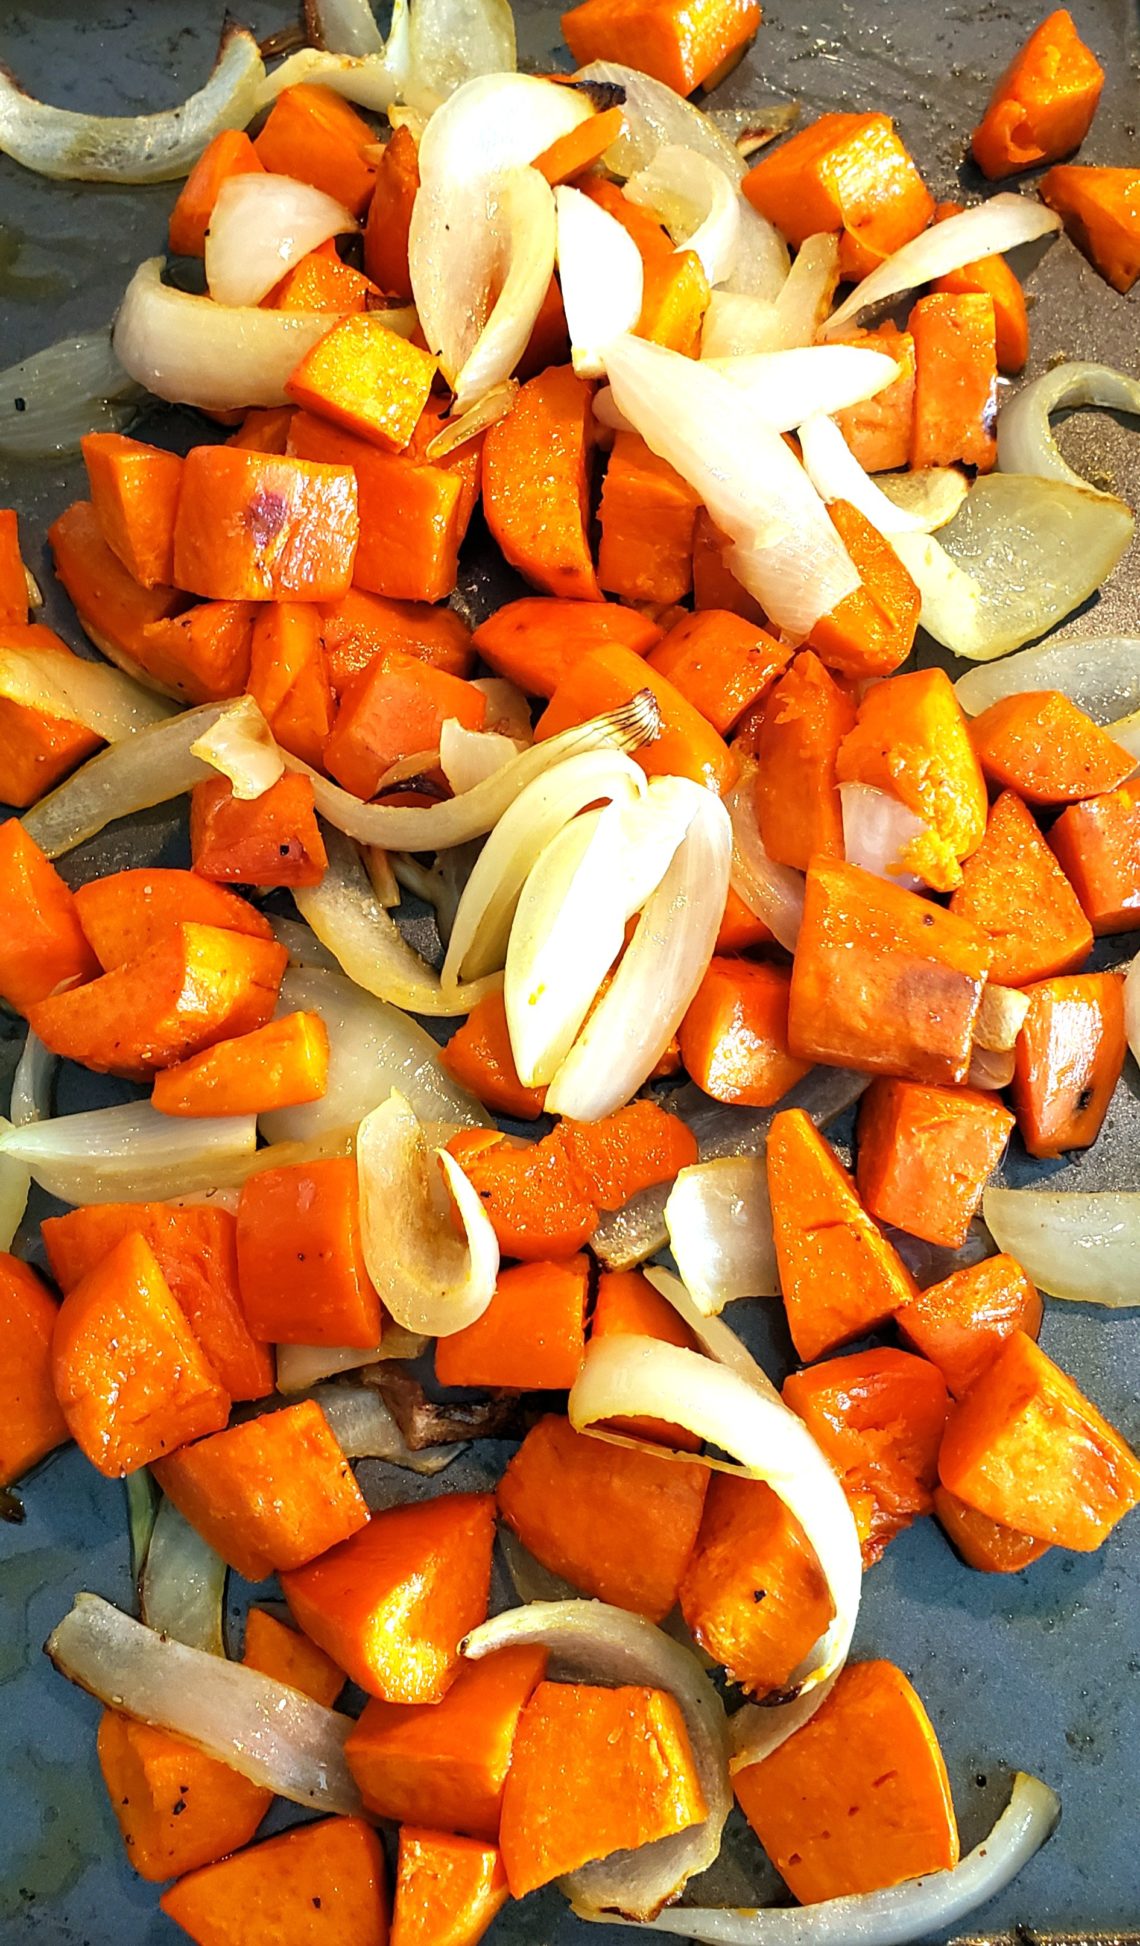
x=710, y=861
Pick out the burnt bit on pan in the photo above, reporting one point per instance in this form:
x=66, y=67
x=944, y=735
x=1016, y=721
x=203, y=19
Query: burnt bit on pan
x=430, y=1422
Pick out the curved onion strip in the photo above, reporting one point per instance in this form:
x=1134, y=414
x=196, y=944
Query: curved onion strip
x=32, y=1083
x=1100, y=674
x=742, y=325
x=789, y=387
x=486, y=412
x=836, y=474
x=183, y=1584
x=482, y=925
x=879, y=832
x=194, y=352
x=478, y=810
x=629, y=1235
x=133, y=148
x=105, y=701
x=653, y=115
x=1083, y=1245
x=1020, y=555
x=495, y=122
x=260, y=225
x=522, y=267
x=142, y=1498
x=343, y=26
x=600, y=272
x=721, y=1404
x=752, y=128
x=761, y=263
x=64, y=391
x=453, y=41
x=372, y=81
x=348, y=918
x=932, y=494
x=785, y=549
x=592, y=1640
x=272, y=1734
x=914, y=1910
x=300, y=1367
x=990, y=1069
x=429, y=1278
x=696, y=201
x=508, y=712
x=366, y=1429
x=1132, y=1007
x=659, y=973
x=373, y=1048
x=1001, y=1017
x=148, y=768
x=129, y=1154
x=240, y=746
x=1025, y=437
x=713, y=1335
x=466, y=757
x=530, y=1580
x=569, y=927
x=15, y=1187
x=987, y=230
x=303, y=947
x=773, y=893
x=720, y=1232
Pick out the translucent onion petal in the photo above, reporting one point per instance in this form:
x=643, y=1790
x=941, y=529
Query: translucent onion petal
x=600, y=272
x=183, y=1584
x=836, y=474
x=773, y=893
x=785, y=550
x=348, y=918
x=1020, y=555
x=987, y=230
x=932, y=494
x=259, y=226
x=591, y=1641
x=696, y=201
x=879, y=833
x=130, y=1153
x=654, y=114
x=787, y=387
x=302, y=1367
x=343, y=26
x=1131, y=1009
x=569, y=927
x=478, y=810
x=522, y=268
x=133, y=148
x=366, y=1429
x=720, y=1232
x=453, y=41
x=240, y=746
x=737, y=326
x=1025, y=437
x=372, y=81
x=916, y=1909
x=1101, y=674
x=48, y=401
x=482, y=925
x=272, y=1734
x=761, y=261
x=430, y=1278
x=15, y=1186
x=659, y=973
x=194, y=352
x=32, y=1083
x=1083, y=1245
x=105, y=701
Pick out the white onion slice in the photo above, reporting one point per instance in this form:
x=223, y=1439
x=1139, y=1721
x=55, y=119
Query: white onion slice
x=836, y=474
x=931, y=494
x=259, y=227
x=61, y=684
x=600, y=271
x=761, y=263
x=303, y=947
x=1001, y=1017
x=240, y=746
x=478, y=810
x=721, y=1404
x=1126, y=732
x=740, y=326
x=373, y=1048
x=348, y=918
x=989, y=229
x=493, y=123
x=64, y=391
x=508, y=712
x=990, y=1069
x=486, y=412
x=1083, y=1245
x=302, y=1367
x=133, y=148
x=591, y=1641
x=453, y=41
x=482, y=925
x=32, y=1083
x=129, y=1154
x=429, y=1278
x=1132, y=1007
x=784, y=548
x=193, y=351
x=183, y=1584
x=879, y=832
x=522, y=265
x=773, y=893
x=1024, y=435
x=916, y=1909
x=343, y=26
x=272, y=1734
x=569, y=926
x=695, y=201
x=659, y=973
x=1100, y=674
x=720, y=1232
x=148, y=768
x=466, y=757
x=653, y=115
x=15, y=1187
x=364, y=1428
x=372, y=81
x=788, y=387
x=1020, y=555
